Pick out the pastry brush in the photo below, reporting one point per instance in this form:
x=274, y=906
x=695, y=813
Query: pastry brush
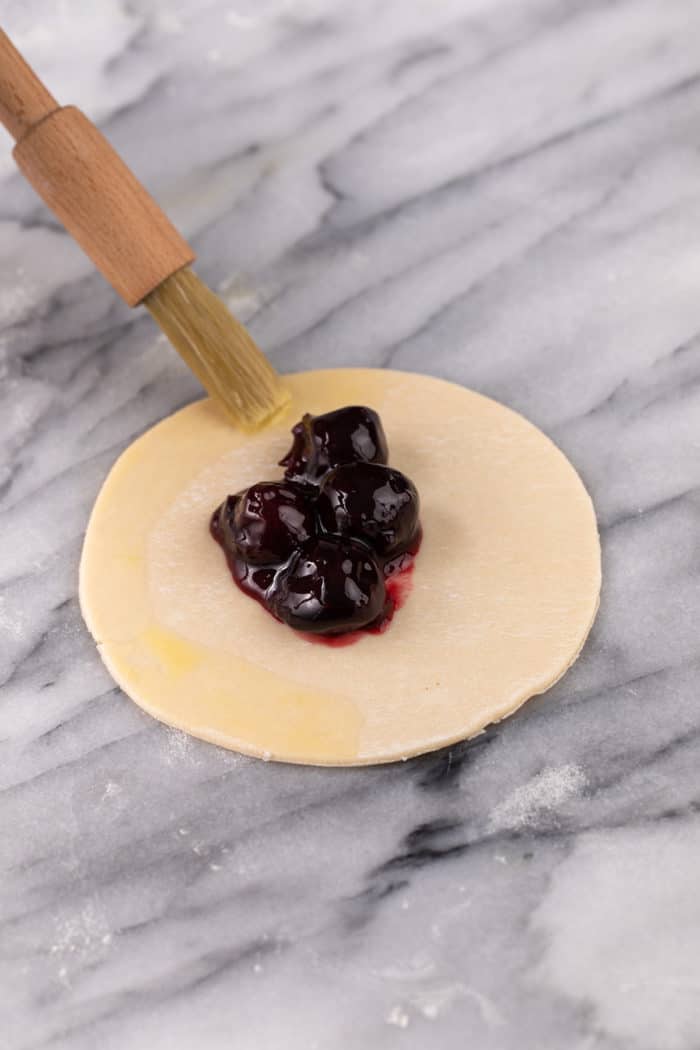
x=131, y=241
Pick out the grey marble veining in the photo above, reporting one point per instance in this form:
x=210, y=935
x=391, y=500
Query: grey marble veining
x=504, y=194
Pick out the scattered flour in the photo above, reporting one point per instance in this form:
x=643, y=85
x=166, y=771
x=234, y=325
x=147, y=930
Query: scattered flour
x=15, y=302
x=80, y=938
x=437, y=998
x=111, y=790
x=445, y=920
x=544, y=792
x=434, y=1002
x=397, y=1016
x=11, y=622
x=180, y=749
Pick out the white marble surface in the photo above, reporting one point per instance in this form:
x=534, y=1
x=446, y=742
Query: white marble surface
x=503, y=193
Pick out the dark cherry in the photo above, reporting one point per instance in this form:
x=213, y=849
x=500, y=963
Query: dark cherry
x=370, y=502
x=265, y=523
x=348, y=435
x=329, y=550
x=256, y=580
x=331, y=587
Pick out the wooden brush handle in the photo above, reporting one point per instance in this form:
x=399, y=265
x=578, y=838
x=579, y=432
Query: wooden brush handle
x=87, y=185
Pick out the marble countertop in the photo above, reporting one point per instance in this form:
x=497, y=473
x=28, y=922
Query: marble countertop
x=504, y=194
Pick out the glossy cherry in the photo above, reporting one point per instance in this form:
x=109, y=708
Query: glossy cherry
x=348, y=435
x=330, y=587
x=266, y=523
x=329, y=550
x=370, y=502
x=258, y=581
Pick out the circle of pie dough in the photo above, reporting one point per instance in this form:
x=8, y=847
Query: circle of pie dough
x=504, y=590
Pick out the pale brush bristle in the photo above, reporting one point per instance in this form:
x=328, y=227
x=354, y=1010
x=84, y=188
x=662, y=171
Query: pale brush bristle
x=217, y=348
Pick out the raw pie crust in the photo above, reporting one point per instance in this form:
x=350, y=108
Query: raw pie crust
x=503, y=594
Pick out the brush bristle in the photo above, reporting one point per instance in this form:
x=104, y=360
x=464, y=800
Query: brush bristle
x=218, y=349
